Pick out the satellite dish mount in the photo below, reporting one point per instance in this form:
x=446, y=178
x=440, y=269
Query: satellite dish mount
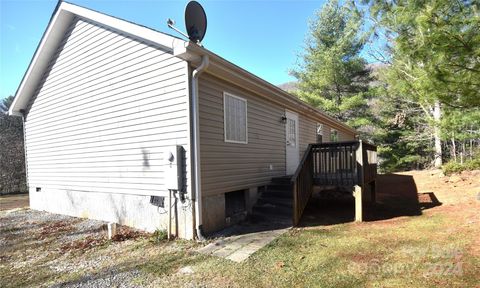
x=195, y=22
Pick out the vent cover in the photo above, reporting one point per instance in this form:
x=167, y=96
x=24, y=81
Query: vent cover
x=158, y=201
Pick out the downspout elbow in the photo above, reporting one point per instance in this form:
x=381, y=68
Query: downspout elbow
x=200, y=69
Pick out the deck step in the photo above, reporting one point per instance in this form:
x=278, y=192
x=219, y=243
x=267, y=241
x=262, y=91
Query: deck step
x=277, y=187
x=277, y=194
x=276, y=200
x=273, y=210
x=283, y=202
x=282, y=220
x=282, y=180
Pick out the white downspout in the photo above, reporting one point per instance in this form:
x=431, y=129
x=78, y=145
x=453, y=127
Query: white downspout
x=196, y=147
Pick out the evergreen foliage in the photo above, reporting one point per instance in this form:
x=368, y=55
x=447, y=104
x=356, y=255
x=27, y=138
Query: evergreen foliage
x=423, y=106
x=332, y=75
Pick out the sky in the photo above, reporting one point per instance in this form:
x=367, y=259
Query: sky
x=264, y=37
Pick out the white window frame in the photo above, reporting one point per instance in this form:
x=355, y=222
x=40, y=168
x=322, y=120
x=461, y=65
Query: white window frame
x=226, y=94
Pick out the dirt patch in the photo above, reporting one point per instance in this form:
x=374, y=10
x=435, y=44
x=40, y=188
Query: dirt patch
x=48, y=229
x=126, y=233
x=84, y=244
x=8, y=202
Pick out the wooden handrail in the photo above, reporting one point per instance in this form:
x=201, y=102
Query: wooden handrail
x=302, y=182
x=302, y=162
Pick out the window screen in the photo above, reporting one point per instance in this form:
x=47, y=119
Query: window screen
x=235, y=118
x=292, y=133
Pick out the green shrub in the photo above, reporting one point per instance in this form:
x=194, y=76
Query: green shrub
x=453, y=167
x=473, y=164
x=159, y=236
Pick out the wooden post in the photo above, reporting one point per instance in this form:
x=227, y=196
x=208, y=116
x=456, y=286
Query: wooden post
x=358, y=203
x=169, y=230
x=373, y=187
x=295, y=204
x=360, y=185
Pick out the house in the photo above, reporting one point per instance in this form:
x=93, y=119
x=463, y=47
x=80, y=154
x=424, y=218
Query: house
x=130, y=125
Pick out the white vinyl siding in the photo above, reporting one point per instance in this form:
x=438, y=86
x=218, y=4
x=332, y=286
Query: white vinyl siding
x=106, y=111
x=235, y=118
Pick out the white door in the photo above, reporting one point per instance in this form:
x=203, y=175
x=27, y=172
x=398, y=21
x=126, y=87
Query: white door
x=292, y=149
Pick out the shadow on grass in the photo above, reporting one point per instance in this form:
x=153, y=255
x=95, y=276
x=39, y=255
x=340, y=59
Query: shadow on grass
x=396, y=196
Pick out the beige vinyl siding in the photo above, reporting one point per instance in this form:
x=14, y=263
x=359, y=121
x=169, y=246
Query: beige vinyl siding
x=308, y=133
x=106, y=110
x=226, y=166
x=326, y=133
x=342, y=136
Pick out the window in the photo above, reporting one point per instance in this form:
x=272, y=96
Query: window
x=291, y=133
x=333, y=135
x=319, y=133
x=235, y=119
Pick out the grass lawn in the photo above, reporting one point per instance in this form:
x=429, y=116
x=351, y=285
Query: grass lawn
x=438, y=248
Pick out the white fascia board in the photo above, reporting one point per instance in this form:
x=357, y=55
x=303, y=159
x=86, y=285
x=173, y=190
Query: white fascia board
x=55, y=32
x=45, y=50
x=134, y=30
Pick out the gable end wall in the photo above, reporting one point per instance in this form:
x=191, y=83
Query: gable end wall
x=98, y=126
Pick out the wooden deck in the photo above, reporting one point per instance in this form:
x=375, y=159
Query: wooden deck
x=351, y=163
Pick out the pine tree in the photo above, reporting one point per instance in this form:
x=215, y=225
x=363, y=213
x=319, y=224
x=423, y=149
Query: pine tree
x=332, y=76
x=435, y=56
x=5, y=104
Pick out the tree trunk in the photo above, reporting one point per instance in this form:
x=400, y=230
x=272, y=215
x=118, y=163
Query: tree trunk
x=454, y=149
x=437, y=115
x=471, y=148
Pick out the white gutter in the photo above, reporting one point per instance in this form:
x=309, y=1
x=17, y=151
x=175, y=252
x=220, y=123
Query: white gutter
x=196, y=147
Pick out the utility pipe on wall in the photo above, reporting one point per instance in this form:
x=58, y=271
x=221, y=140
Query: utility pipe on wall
x=196, y=146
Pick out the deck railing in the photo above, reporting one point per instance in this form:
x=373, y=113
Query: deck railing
x=335, y=163
x=346, y=163
x=369, y=162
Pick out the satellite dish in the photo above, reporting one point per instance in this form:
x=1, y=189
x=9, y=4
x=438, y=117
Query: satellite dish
x=195, y=21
